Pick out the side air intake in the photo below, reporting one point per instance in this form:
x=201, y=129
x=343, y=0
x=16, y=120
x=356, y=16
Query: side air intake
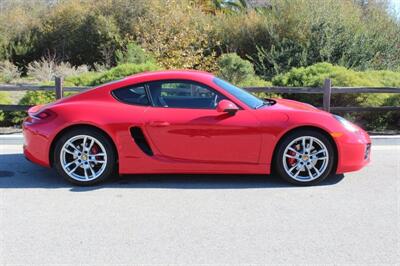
x=140, y=140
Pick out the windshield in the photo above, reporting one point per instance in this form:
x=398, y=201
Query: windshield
x=249, y=99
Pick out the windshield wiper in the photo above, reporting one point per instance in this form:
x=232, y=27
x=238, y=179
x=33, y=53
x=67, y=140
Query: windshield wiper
x=261, y=105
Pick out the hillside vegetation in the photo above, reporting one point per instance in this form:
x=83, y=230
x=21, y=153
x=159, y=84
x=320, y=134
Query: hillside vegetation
x=288, y=43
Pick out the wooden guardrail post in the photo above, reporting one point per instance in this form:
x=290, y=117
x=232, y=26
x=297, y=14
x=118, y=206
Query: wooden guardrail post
x=59, y=87
x=327, y=95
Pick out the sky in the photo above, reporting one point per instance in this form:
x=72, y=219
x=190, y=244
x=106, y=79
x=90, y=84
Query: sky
x=396, y=5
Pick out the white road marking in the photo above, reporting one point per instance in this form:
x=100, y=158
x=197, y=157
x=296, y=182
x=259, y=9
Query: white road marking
x=10, y=149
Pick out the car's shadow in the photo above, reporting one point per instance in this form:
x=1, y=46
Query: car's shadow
x=16, y=172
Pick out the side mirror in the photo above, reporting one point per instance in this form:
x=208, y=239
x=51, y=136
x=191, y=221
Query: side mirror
x=226, y=106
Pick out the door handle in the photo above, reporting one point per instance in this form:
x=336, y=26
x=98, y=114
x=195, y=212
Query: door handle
x=159, y=124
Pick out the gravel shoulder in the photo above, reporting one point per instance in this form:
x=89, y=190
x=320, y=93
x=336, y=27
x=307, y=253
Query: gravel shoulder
x=10, y=130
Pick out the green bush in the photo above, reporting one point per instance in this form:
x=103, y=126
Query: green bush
x=85, y=79
x=118, y=72
x=239, y=71
x=254, y=81
x=4, y=99
x=133, y=54
x=37, y=97
x=315, y=75
x=123, y=71
x=234, y=69
x=393, y=118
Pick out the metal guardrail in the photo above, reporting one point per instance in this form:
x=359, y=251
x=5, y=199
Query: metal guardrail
x=327, y=90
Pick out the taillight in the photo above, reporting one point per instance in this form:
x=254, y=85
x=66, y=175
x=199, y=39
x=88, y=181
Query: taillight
x=41, y=115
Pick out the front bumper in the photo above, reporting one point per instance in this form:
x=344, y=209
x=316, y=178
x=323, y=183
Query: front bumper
x=354, y=151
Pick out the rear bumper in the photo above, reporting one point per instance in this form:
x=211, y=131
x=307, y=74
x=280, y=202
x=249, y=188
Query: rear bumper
x=354, y=151
x=35, y=145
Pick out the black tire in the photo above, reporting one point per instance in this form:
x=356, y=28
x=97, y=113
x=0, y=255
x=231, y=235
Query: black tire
x=110, y=167
x=279, y=155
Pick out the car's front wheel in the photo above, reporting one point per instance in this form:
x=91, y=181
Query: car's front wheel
x=305, y=157
x=84, y=156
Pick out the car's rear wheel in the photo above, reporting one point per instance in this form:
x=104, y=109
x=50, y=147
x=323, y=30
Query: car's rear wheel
x=84, y=156
x=305, y=157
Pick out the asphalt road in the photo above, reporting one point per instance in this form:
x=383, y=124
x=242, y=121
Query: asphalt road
x=194, y=219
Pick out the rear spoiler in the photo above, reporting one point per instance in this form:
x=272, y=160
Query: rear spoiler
x=35, y=109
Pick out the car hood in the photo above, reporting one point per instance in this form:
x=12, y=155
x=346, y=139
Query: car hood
x=284, y=104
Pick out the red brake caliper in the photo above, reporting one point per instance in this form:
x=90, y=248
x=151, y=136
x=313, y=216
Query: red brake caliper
x=94, y=150
x=292, y=161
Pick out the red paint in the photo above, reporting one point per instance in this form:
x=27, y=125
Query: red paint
x=226, y=106
x=188, y=140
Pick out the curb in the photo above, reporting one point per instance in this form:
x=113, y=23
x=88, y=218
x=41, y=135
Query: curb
x=385, y=136
x=388, y=140
x=11, y=139
x=15, y=139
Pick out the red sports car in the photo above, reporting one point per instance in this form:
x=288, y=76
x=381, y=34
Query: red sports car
x=189, y=122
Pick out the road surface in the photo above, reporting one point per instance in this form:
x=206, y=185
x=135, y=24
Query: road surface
x=195, y=219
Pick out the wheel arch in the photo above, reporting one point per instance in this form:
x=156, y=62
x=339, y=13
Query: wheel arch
x=318, y=129
x=75, y=126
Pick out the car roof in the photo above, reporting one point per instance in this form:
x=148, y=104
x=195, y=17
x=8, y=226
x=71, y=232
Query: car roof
x=170, y=74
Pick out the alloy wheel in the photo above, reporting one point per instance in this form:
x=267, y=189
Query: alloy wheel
x=305, y=158
x=83, y=158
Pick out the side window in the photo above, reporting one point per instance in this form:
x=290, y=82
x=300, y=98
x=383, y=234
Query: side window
x=132, y=95
x=183, y=94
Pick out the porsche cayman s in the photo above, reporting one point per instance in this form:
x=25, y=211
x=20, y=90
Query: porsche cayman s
x=189, y=122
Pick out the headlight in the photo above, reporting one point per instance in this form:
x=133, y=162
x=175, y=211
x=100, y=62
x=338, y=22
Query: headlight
x=347, y=124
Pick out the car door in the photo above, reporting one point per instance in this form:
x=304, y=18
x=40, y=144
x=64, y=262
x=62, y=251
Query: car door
x=183, y=124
